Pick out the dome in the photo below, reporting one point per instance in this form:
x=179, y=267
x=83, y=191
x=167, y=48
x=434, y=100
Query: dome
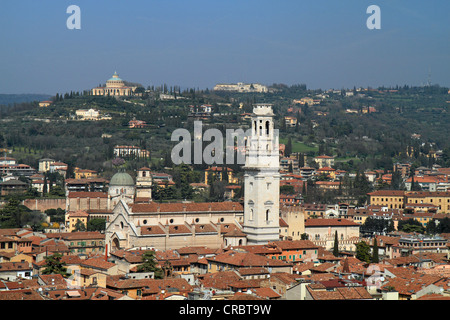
x=121, y=179
x=115, y=77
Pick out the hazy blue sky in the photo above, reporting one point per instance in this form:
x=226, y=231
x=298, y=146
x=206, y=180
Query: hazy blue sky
x=192, y=43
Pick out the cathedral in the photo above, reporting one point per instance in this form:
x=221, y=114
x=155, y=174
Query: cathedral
x=137, y=221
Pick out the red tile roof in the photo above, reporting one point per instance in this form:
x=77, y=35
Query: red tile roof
x=187, y=207
x=246, y=259
x=329, y=222
x=84, y=194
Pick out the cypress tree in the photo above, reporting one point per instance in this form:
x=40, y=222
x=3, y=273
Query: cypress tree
x=375, y=258
x=336, y=245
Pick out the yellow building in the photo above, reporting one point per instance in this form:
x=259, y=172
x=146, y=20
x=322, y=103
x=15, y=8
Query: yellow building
x=217, y=174
x=327, y=171
x=393, y=199
x=84, y=173
x=74, y=217
x=324, y=161
x=114, y=87
x=294, y=217
x=440, y=199
x=45, y=103
x=290, y=121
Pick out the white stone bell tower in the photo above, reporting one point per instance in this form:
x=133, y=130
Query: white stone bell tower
x=262, y=178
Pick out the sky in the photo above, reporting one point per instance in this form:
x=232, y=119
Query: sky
x=196, y=44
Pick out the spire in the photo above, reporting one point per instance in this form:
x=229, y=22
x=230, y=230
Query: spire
x=346, y=267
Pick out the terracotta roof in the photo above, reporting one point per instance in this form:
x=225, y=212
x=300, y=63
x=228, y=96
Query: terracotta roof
x=80, y=214
x=297, y=244
x=187, y=207
x=81, y=235
x=385, y=193
x=329, y=222
x=412, y=284
x=149, y=286
x=98, y=263
x=434, y=296
x=252, y=271
x=14, y=266
x=26, y=294
x=346, y=293
x=178, y=229
x=267, y=293
x=196, y=250
x=218, y=280
x=241, y=259
x=84, y=194
x=149, y=230
x=423, y=194
x=302, y=267
x=324, y=267
x=53, y=279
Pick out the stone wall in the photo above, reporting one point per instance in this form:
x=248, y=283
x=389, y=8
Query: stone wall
x=44, y=204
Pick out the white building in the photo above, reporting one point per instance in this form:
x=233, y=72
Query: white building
x=262, y=179
x=241, y=87
x=89, y=114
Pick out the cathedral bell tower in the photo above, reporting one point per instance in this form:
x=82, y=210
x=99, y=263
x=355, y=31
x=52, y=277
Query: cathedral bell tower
x=262, y=178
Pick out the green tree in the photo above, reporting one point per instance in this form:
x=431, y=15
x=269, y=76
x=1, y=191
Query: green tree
x=12, y=214
x=98, y=224
x=149, y=264
x=363, y=251
x=54, y=265
x=80, y=226
x=44, y=188
x=336, y=245
x=375, y=258
x=288, y=148
x=410, y=225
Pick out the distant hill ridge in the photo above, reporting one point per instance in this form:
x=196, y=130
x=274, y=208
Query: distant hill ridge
x=9, y=99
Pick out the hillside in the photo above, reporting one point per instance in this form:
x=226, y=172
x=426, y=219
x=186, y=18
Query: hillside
x=9, y=99
x=339, y=124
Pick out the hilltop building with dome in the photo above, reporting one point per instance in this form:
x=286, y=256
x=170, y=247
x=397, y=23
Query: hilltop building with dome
x=115, y=86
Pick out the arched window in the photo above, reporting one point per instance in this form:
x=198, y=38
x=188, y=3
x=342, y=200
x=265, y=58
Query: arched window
x=267, y=127
x=267, y=214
